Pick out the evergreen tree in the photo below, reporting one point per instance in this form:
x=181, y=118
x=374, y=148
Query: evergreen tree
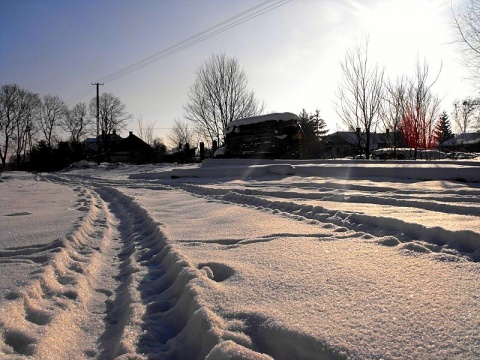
x=320, y=124
x=313, y=129
x=443, y=129
x=159, y=150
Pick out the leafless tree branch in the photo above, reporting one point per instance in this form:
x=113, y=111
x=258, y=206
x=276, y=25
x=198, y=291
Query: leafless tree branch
x=219, y=95
x=361, y=92
x=466, y=22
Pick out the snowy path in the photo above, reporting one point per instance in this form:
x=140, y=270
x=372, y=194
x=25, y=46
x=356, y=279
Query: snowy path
x=60, y=313
x=283, y=268
x=113, y=289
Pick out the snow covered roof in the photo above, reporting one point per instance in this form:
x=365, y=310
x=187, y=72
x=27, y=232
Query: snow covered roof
x=463, y=139
x=351, y=137
x=286, y=116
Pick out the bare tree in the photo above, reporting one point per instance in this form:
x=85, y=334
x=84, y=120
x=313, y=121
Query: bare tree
x=113, y=116
x=53, y=114
x=466, y=21
x=30, y=107
x=394, y=107
x=421, y=109
x=477, y=122
x=180, y=134
x=145, y=131
x=10, y=98
x=464, y=114
x=361, y=93
x=19, y=111
x=219, y=95
x=77, y=122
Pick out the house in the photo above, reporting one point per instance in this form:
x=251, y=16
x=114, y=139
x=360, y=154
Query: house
x=130, y=150
x=468, y=142
x=90, y=144
x=274, y=135
x=349, y=143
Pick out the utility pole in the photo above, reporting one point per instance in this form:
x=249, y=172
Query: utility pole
x=98, y=120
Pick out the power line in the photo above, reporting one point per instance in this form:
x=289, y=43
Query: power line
x=238, y=22
x=206, y=34
x=223, y=26
x=79, y=95
x=162, y=52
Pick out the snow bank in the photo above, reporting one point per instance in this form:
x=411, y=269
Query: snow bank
x=235, y=171
x=242, y=169
x=415, y=172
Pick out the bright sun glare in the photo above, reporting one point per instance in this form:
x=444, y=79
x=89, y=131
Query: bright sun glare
x=400, y=27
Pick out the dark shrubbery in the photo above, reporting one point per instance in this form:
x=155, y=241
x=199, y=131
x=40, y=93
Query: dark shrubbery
x=43, y=158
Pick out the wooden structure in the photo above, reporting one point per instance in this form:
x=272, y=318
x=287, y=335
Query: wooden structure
x=267, y=136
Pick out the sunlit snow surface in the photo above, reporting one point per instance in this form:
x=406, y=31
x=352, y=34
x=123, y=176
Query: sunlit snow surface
x=233, y=260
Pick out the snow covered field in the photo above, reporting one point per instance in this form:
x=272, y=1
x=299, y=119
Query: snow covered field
x=234, y=260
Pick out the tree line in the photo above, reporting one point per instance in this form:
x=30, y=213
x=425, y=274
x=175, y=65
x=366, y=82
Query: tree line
x=367, y=102
x=30, y=127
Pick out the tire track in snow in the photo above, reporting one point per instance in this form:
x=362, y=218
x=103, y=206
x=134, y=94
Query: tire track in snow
x=453, y=195
x=414, y=237
x=114, y=288
x=468, y=203
x=49, y=317
x=154, y=312
x=157, y=312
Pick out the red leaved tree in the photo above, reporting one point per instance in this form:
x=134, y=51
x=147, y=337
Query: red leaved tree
x=420, y=111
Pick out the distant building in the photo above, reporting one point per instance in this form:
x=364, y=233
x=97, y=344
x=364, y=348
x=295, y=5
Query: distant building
x=91, y=143
x=274, y=135
x=129, y=150
x=349, y=143
x=468, y=142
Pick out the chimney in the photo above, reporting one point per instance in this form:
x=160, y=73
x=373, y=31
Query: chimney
x=130, y=133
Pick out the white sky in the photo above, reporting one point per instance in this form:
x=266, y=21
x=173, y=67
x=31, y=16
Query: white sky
x=291, y=54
